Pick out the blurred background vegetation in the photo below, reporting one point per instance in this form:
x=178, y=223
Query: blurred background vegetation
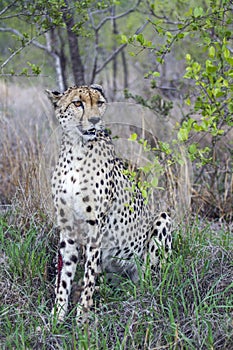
x=173, y=58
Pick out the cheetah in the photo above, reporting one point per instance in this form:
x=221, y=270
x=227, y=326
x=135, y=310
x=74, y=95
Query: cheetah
x=97, y=215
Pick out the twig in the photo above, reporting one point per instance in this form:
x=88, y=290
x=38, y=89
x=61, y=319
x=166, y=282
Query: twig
x=109, y=18
x=119, y=49
x=7, y=8
x=32, y=41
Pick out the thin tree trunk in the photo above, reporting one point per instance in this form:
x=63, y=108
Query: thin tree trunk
x=75, y=56
x=125, y=69
x=115, y=32
x=63, y=59
x=51, y=42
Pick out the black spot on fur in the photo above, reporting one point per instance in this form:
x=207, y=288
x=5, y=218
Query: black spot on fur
x=92, y=222
x=88, y=209
x=64, y=220
x=62, y=200
x=86, y=199
x=62, y=244
x=164, y=231
x=152, y=248
x=155, y=232
x=74, y=258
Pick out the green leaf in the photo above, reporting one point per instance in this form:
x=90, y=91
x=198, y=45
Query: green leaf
x=212, y=51
x=197, y=127
x=217, y=92
x=131, y=53
x=183, y=135
x=144, y=193
x=226, y=52
x=35, y=69
x=198, y=12
x=210, y=67
x=160, y=60
x=140, y=38
x=156, y=74
x=165, y=147
x=188, y=101
x=192, y=148
x=124, y=39
x=24, y=71
x=155, y=182
x=133, y=137
x=230, y=60
x=189, y=12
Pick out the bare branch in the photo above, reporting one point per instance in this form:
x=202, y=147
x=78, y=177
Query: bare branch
x=109, y=18
x=32, y=41
x=109, y=59
x=47, y=48
x=13, y=55
x=119, y=49
x=164, y=18
x=7, y=8
x=21, y=75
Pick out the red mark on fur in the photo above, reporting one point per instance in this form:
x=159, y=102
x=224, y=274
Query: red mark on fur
x=59, y=268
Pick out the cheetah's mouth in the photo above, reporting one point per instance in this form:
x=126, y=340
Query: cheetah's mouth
x=89, y=132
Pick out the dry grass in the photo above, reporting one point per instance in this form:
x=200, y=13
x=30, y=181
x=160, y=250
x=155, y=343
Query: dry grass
x=26, y=126
x=29, y=145
x=212, y=195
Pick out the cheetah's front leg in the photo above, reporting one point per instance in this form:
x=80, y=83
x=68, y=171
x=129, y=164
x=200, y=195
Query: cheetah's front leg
x=92, y=264
x=67, y=262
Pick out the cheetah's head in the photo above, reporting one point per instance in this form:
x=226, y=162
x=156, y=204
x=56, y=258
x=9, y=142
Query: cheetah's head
x=79, y=109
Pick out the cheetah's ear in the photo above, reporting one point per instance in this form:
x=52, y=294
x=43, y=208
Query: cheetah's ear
x=54, y=96
x=98, y=88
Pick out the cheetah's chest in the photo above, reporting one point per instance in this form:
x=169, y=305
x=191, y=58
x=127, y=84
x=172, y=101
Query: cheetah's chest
x=82, y=179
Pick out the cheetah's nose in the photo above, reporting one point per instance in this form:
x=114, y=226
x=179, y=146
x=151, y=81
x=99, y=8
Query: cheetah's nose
x=94, y=120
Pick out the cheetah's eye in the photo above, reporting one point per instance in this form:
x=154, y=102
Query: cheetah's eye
x=77, y=103
x=100, y=103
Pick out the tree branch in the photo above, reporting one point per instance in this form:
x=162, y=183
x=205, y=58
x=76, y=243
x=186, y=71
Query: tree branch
x=32, y=41
x=14, y=54
x=7, y=8
x=119, y=49
x=48, y=49
x=109, y=18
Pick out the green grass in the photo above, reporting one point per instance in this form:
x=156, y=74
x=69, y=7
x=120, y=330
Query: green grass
x=186, y=305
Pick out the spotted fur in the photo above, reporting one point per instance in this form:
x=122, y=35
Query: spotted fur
x=96, y=213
